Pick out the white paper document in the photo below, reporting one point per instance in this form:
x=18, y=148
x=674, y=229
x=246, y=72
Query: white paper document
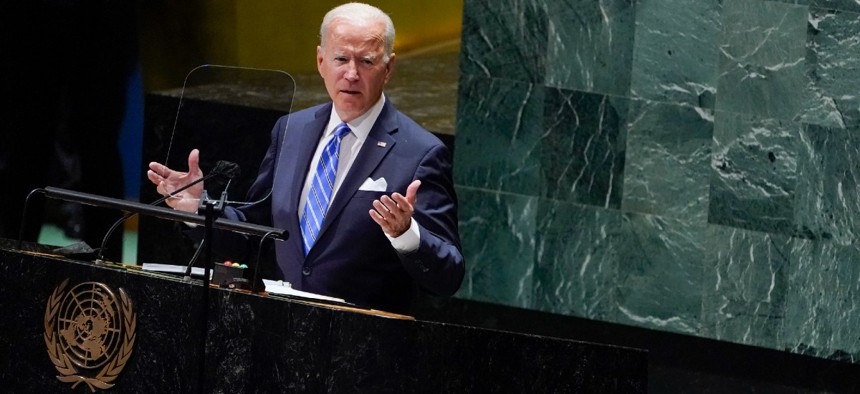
x=172, y=269
x=284, y=288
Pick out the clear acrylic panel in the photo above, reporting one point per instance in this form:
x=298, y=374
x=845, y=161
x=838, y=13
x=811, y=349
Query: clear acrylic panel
x=228, y=114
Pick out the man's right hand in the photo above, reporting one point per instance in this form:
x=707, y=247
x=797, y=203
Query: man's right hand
x=167, y=180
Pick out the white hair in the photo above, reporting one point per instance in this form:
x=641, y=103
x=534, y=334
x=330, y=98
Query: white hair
x=361, y=13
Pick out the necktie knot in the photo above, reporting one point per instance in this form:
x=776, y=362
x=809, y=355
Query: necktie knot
x=341, y=130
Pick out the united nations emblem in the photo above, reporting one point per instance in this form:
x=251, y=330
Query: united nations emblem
x=89, y=333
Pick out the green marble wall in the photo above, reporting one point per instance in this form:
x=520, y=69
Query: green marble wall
x=679, y=165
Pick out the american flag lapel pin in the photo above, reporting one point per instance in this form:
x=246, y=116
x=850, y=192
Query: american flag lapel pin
x=381, y=144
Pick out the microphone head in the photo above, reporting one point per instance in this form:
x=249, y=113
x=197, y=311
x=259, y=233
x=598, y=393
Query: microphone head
x=227, y=169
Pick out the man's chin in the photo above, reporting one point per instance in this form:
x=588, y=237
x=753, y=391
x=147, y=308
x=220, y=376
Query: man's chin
x=349, y=108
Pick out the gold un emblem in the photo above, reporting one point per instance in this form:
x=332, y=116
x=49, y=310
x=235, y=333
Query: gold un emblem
x=89, y=333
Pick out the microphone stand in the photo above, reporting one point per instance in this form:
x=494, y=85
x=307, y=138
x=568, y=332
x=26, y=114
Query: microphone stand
x=211, y=210
x=204, y=199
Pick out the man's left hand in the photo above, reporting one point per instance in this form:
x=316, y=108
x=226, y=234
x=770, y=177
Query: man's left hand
x=394, y=214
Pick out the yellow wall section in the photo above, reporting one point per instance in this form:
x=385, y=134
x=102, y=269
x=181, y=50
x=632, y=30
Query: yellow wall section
x=278, y=34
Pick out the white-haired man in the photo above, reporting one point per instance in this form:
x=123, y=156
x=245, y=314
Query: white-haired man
x=365, y=193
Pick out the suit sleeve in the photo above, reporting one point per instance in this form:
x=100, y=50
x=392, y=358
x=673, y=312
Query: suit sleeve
x=438, y=264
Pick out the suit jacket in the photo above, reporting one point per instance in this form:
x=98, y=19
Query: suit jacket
x=352, y=259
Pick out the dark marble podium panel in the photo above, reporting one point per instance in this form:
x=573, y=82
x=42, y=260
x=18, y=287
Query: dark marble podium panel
x=166, y=350
x=269, y=344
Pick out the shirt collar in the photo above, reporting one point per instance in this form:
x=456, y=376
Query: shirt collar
x=361, y=125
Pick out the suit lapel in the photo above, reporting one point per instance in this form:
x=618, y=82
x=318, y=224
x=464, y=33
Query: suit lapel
x=369, y=157
x=300, y=150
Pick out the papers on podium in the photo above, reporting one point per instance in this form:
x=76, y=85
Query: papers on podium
x=172, y=269
x=285, y=288
x=272, y=286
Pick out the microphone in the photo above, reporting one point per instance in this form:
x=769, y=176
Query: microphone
x=223, y=168
x=227, y=169
x=230, y=171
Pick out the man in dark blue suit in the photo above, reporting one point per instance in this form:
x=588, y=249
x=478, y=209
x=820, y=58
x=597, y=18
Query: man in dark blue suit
x=365, y=193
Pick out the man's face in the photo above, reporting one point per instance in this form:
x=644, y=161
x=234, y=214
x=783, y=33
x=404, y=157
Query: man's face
x=352, y=66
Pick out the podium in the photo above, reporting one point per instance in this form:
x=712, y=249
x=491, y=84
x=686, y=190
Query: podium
x=261, y=343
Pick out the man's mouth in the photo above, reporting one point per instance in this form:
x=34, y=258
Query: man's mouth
x=350, y=91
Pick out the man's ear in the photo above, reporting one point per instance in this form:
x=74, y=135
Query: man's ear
x=319, y=59
x=389, y=67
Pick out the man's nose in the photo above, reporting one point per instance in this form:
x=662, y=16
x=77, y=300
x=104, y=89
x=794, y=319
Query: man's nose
x=351, y=72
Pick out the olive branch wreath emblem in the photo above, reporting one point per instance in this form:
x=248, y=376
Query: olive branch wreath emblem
x=70, y=370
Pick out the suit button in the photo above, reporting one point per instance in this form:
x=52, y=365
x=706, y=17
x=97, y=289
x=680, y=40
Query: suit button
x=306, y=271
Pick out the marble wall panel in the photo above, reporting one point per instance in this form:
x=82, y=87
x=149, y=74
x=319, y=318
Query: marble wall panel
x=746, y=286
x=667, y=162
x=833, y=62
x=583, y=146
x=754, y=173
x=762, y=59
x=823, y=303
x=497, y=233
x=576, y=259
x=679, y=165
x=504, y=39
x=498, y=144
x=660, y=274
x=676, y=51
x=590, y=45
x=828, y=189
x=846, y=5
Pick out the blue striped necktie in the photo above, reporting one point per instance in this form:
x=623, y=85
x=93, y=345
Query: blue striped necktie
x=319, y=195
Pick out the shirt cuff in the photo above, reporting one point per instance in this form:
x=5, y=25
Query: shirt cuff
x=192, y=225
x=408, y=241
